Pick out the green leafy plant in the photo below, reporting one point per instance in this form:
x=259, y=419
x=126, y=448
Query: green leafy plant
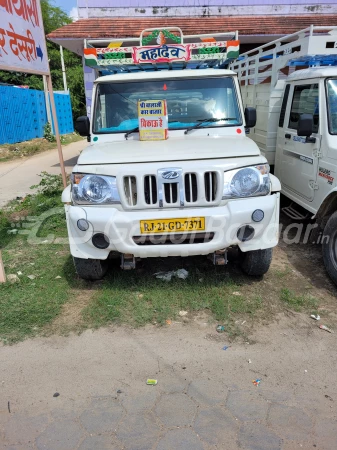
x=50, y=185
x=47, y=133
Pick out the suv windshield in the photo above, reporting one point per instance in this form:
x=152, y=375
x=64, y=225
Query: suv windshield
x=332, y=105
x=189, y=101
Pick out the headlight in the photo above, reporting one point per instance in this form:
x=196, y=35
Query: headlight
x=94, y=189
x=247, y=182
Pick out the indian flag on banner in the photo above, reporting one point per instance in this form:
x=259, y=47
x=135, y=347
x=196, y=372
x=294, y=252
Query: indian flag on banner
x=90, y=57
x=233, y=48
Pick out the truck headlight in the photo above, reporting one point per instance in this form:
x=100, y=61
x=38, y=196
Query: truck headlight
x=94, y=189
x=246, y=182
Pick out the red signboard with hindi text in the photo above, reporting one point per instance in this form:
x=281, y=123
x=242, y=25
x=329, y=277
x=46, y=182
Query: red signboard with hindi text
x=22, y=38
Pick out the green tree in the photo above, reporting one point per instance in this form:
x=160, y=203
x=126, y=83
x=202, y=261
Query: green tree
x=53, y=18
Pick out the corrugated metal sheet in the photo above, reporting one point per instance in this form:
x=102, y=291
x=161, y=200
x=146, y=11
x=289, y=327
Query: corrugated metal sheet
x=23, y=114
x=63, y=112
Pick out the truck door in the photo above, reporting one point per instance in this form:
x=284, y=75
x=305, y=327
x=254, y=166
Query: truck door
x=299, y=159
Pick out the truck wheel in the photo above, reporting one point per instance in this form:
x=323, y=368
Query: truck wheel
x=90, y=269
x=256, y=262
x=329, y=247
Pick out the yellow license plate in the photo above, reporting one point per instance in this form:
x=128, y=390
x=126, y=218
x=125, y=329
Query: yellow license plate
x=172, y=225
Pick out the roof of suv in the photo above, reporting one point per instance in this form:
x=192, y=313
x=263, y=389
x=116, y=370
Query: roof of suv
x=165, y=74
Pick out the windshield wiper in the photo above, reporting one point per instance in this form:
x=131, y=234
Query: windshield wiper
x=130, y=132
x=210, y=120
x=137, y=129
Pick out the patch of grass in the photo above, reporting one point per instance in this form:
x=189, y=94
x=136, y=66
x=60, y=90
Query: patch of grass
x=8, y=152
x=140, y=298
x=20, y=216
x=298, y=302
x=5, y=226
x=282, y=273
x=56, y=225
x=26, y=306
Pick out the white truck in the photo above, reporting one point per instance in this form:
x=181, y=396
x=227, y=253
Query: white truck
x=201, y=191
x=292, y=83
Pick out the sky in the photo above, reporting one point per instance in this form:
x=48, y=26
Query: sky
x=69, y=6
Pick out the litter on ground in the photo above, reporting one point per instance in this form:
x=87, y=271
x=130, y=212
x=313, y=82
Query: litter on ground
x=167, y=276
x=315, y=317
x=325, y=328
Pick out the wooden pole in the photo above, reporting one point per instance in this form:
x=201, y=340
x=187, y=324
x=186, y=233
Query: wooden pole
x=56, y=129
x=2, y=271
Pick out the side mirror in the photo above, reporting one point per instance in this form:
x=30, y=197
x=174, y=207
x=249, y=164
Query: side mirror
x=82, y=126
x=305, y=125
x=250, y=117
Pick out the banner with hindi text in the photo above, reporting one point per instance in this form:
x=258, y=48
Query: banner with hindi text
x=153, y=120
x=22, y=38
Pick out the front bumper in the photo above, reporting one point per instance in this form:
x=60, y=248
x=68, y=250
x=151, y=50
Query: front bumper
x=223, y=222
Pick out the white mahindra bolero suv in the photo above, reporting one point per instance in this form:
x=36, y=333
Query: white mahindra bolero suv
x=204, y=189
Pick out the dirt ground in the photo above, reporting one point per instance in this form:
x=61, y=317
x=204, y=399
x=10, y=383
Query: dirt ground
x=294, y=405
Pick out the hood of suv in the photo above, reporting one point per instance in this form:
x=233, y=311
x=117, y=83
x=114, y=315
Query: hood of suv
x=173, y=149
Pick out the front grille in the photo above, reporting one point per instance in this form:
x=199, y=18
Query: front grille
x=171, y=192
x=185, y=190
x=191, y=187
x=130, y=190
x=210, y=186
x=150, y=189
x=174, y=239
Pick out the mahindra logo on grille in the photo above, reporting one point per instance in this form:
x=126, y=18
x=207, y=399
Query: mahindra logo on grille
x=170, y=175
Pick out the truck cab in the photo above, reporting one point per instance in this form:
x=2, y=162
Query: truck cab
x=306, y=158
x=203, y=189
x=292, y=83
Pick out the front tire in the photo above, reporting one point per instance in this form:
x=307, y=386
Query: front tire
x=329, y=247
x=256, y=262
x=90, y=269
